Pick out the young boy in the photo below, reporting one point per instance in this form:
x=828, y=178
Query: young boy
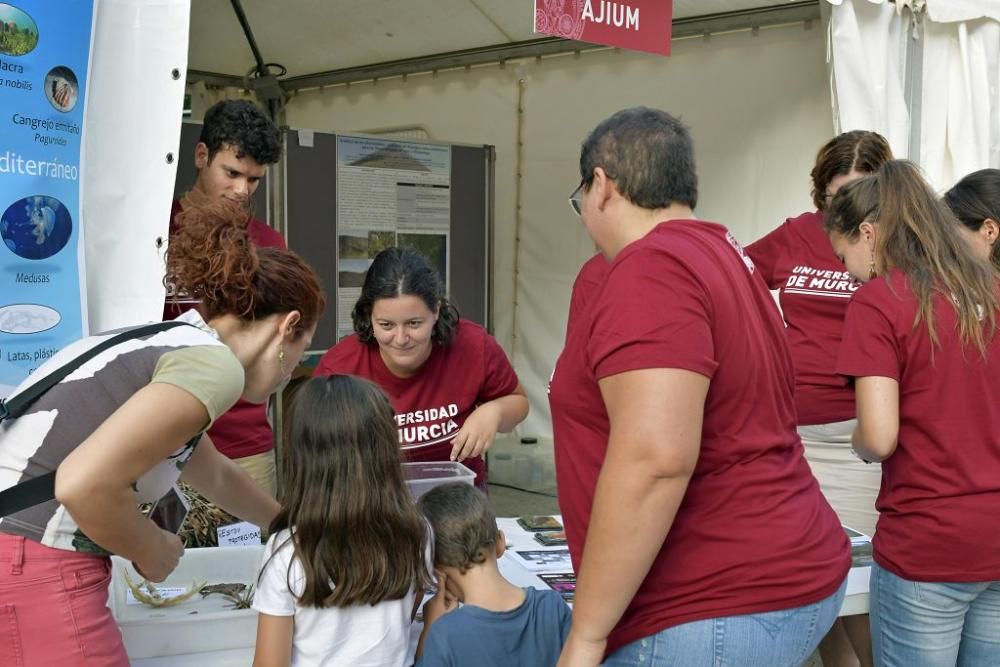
x=499, y=623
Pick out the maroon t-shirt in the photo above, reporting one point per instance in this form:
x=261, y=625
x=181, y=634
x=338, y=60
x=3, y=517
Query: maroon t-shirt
x=243, y=430
x=940, y=498
x=753, y=533
x=586, y=286
x=814, y=288
x=432, y=404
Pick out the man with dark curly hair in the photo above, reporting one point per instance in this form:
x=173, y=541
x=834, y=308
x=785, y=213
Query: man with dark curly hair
x=237, y=143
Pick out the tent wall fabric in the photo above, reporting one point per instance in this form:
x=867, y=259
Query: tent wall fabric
x=867, y=54
x=960, y=105
x=133, y=123
x=947, y=11
x=941, y=71
x=758, y=105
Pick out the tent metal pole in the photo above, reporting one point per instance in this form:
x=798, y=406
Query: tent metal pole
x=248, y=33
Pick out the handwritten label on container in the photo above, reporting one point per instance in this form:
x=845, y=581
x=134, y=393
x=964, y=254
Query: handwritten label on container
x=242, y=534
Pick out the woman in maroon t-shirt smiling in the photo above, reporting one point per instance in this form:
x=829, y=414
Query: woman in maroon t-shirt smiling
x=920, y=342
x=449, y=381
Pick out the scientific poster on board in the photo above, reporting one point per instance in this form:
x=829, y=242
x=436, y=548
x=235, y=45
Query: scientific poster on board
x=45, y=51
x=389, y=193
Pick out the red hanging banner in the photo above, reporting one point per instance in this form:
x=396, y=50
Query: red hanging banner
x=641, y=25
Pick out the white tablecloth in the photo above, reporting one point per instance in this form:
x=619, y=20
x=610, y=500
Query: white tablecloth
x=856, y=601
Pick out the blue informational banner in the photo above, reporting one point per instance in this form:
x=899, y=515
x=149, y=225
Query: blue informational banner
x=45, y=51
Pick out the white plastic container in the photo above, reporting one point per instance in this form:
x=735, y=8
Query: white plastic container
x=196, y=625
x=422, y=477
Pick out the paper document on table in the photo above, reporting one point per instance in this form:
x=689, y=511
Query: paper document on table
x=549, y=560
x=856, y=536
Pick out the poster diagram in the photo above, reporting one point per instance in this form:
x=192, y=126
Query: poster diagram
x=389, y=193
x=44, y=64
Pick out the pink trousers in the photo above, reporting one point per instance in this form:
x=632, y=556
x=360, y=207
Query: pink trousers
x=53, y=607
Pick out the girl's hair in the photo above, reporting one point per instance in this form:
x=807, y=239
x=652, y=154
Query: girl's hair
x=918, y=235
x=976, y=198
x=354, y=526
x=212, y=259
x=400, y=272
x=857, y=150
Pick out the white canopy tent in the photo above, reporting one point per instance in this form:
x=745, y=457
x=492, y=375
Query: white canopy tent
x=926, y=76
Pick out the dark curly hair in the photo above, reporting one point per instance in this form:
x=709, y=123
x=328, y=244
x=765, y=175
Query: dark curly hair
x=397, y=272
x=244, y=127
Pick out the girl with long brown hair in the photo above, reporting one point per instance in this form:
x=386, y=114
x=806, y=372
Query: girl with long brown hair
x=124, y=426
x=920, y=343
x=349, y=555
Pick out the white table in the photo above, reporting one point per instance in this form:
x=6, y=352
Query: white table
x=855, y=602
x=237, y=657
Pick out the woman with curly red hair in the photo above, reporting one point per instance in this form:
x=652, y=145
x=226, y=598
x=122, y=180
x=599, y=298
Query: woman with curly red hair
x=126, y=425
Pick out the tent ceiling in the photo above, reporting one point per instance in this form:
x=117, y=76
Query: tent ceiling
x=309, y=36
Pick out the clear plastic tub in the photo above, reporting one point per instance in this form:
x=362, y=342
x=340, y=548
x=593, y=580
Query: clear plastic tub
x=196, y=625
x=422, y=477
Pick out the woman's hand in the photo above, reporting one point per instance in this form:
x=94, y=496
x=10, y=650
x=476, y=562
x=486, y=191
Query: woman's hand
x=94, y=482
x=477, y=433
x=162, y=559
x=580, y=652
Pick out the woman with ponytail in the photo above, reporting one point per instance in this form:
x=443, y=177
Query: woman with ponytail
x=122, y=428
x=920, y=344
x=975, y=201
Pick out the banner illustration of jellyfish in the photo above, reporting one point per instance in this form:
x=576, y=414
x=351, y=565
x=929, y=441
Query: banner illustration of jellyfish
x=45, y=52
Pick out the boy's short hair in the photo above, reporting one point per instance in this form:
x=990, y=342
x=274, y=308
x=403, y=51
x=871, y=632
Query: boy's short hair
x=244, y=127
x=465, y=528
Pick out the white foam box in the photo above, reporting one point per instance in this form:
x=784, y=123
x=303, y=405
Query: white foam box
x=196, y=625
x=421, y=477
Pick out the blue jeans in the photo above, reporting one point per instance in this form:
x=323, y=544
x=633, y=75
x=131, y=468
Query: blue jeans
x=927, y=624
x=784, y=638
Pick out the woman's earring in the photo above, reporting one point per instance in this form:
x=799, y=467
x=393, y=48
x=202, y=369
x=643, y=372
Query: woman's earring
x=281, y=358
x=871, y=267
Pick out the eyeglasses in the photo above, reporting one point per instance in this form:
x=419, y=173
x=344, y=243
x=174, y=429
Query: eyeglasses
x=576, y=199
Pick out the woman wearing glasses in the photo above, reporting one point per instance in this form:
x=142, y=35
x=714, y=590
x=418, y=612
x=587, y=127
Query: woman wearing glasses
x=693, y=522
x=449, y=381
x=814, y=288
